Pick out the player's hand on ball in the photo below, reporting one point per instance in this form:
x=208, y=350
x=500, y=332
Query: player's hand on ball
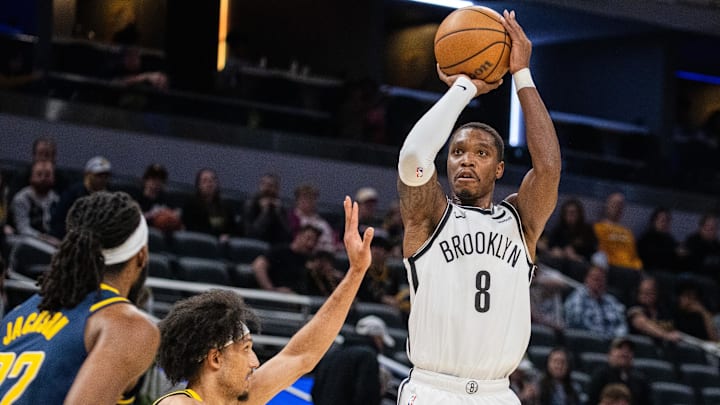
x=521, y=45
x=481, y=87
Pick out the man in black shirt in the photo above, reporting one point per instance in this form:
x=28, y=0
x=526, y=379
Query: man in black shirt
x=283, y=268
x=350, y=374
x=620, y=370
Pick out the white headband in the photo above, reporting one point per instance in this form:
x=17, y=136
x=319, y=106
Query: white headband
x=130, y=247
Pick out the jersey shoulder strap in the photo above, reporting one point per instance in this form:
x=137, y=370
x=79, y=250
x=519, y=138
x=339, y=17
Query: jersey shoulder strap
x=187, y=392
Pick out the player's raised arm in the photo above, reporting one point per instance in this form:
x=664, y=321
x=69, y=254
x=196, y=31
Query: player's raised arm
x=537, y=196
x=310, y=343
x=422, y=200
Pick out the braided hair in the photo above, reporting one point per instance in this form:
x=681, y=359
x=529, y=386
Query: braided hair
x=102, y=220
x=197, y=324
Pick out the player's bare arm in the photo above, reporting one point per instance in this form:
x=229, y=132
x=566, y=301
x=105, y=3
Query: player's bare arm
x=310, y=343
x=421, y=209
x=121, y=343
x=538, y=193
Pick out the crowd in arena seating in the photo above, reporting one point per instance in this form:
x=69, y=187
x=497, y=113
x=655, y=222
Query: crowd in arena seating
x=607, y=307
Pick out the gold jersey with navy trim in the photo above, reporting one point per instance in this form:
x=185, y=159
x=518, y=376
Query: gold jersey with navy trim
x=41, y=352
x=186, y=392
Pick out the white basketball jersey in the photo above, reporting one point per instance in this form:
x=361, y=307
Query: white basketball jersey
x=470, y=300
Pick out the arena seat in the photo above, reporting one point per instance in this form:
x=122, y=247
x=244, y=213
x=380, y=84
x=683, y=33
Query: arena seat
x=244, y=250
x=203, y=270
x=195, y=244
x=668, y=393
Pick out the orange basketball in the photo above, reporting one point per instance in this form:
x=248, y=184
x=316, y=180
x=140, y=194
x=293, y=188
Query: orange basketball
x=166, y=220
x=473, y=41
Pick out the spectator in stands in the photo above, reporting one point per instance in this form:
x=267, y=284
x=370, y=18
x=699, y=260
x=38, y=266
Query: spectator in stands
x=96, y=178
x=616, y=239
x=350, y=374
x=657, y=248
x=573, y=238
x=323, y=277
x=555, y=385
x=691, y=315
x=382, y=283
x=305, y=212
x=153, y=200
x=283, y=268
x=547, y=290
x=703, y=248
x=207, y=211
x=620, y=370
x=523, y=382
x=615, y=394
x=31, y=206
x=367, y=199
x=3, y=275
x=590, y=307
x=43, y=149
x=128, y=69
x=392, y=224
x=4, y=248
x=264, y=214
x=4, y=228
x=649, y=316
x=131, y=72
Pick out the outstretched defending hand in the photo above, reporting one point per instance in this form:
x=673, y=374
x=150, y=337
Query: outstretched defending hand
x=521, y=45
x=481, y=87
x=358, y=249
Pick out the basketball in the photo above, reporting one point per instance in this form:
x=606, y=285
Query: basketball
x=166, y=220
x=472, y=40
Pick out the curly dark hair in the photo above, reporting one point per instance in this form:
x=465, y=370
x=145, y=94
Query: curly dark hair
x=197, y=324
x=102, y=220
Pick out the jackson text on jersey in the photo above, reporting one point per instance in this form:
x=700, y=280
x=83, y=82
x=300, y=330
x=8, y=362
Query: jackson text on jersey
x=44, y=323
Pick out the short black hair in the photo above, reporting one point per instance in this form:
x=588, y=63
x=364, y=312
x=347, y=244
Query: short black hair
x=156, y=171
x=499, y=143
x=197, y=324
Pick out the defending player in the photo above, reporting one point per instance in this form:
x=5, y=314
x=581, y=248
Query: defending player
x=206, y=339
x=80, y=340
x=470, y=261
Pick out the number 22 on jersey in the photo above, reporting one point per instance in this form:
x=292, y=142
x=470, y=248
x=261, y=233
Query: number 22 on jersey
x=25, y=366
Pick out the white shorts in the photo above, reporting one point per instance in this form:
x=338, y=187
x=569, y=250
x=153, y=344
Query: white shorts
x=424, y=387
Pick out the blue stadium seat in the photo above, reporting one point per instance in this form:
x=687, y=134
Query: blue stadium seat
x=195, y=244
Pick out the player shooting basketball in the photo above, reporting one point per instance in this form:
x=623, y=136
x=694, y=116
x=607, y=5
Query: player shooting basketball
x=470, y=261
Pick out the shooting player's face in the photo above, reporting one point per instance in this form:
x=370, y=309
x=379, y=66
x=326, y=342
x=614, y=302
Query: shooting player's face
x=473, y=164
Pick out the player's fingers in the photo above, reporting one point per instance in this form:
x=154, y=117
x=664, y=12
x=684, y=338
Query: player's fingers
x=368, y=236
x=443, y=76
x=512, y=26
x=495, y=85
x=509, y=23
x=347, y=205
x=354, y=218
